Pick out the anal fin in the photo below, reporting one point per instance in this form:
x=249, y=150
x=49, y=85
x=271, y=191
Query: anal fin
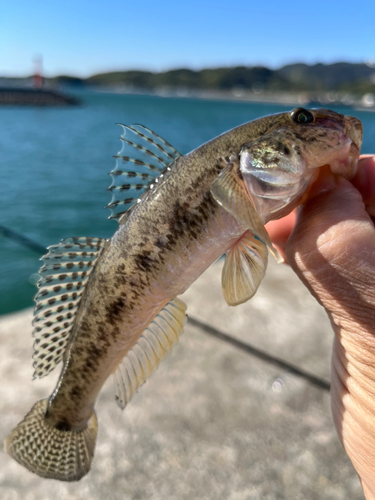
x=244, y=268
x=149, y=351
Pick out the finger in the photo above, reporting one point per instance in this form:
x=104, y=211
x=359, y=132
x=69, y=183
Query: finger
x=332, y=248
x=280, y=230
x=352, y=403
x=364, y=181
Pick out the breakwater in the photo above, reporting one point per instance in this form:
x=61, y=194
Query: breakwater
x=35, y=97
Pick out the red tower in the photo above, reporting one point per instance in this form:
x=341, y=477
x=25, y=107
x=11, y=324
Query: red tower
x=38, y=72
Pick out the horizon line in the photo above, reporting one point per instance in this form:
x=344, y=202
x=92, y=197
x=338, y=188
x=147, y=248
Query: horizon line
x=369, y=63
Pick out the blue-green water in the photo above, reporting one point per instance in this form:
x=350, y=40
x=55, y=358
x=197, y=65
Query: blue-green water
x=54, y=161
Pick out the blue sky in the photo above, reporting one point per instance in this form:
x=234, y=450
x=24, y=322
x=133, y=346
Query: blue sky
x=85, y=37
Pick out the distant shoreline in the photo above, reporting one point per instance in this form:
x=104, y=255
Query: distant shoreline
x=337, y=84
x=308, y=99
x=57, y=96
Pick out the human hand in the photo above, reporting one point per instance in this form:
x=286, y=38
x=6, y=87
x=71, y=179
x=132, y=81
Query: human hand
x=330, y=244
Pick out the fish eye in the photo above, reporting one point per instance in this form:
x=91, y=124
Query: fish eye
x=300, y=115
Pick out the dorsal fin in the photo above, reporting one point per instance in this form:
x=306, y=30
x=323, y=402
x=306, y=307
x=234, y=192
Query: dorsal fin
x=152, y=347
x=144, y=157
x=63, y=277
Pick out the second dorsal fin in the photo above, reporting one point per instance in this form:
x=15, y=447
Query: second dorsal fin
x=144, y=157
x=63, y=277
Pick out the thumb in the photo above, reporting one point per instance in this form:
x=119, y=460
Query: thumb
x=332, y=249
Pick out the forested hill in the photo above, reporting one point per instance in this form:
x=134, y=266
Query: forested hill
x=298, y=77
x=347, y=77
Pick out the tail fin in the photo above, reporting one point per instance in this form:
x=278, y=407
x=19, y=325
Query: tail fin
x=50, y=452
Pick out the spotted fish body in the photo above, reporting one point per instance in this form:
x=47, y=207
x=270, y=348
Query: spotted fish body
x=196, y=207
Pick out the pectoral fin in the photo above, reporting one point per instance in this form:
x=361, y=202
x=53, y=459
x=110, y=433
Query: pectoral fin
x=244, y=268
x=229, y=190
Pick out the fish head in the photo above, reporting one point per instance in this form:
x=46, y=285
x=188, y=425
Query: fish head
x=279, y=167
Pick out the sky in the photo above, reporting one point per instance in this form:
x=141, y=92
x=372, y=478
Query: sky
x=84, y=37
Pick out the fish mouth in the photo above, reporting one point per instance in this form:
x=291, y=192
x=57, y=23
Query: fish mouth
x=346, y=163
x=354, y=130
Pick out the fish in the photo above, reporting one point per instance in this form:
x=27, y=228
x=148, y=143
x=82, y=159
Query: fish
x=111, y=306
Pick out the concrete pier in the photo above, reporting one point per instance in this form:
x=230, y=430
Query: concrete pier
x=215, y=421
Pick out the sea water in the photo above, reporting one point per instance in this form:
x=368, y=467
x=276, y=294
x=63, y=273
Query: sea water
x=54, y=161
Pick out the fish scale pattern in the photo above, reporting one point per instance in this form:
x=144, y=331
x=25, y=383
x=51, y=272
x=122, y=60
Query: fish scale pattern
x=142, y=161
x=153, y=346
x=63, y=276
x=50, y=452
